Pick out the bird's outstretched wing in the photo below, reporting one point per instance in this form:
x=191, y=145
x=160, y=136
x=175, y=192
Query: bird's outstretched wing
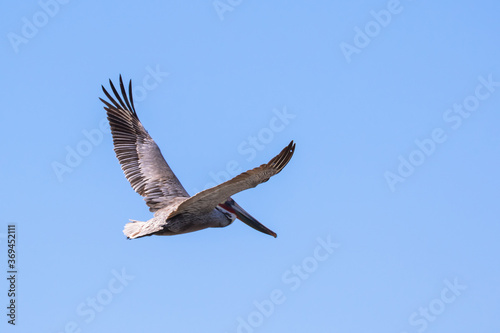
x=140, y=158
x=207, y=200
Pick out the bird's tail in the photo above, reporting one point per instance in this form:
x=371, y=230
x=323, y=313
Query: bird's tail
x=134, y=229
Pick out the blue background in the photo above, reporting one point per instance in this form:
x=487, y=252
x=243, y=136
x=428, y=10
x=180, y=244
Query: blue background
x=357, y=116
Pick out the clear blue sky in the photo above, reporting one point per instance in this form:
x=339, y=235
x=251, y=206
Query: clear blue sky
x=387, y=216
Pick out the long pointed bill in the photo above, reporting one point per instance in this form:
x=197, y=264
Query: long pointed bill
x=248, y=219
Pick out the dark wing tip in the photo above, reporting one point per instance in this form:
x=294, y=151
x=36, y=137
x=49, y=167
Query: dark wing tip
x=124, y=101
x=282, y=159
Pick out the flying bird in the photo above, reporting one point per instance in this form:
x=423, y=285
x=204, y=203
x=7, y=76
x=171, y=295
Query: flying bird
x=175, y=212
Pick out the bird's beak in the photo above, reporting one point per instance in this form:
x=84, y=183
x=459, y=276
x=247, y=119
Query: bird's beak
x=248, y=219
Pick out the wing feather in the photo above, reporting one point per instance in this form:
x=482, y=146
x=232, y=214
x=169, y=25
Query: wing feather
x=140, y=158
x=207, y=200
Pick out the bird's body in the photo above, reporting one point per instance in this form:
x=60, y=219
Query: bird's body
x=150, y=176
x=164, y=225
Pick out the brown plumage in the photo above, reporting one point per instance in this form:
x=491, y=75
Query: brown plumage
x=150, y=176
x=206, y=200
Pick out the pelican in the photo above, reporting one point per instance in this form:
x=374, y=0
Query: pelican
x=175, y=212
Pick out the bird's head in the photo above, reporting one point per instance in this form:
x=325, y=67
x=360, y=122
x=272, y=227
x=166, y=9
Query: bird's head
x=234, y=211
